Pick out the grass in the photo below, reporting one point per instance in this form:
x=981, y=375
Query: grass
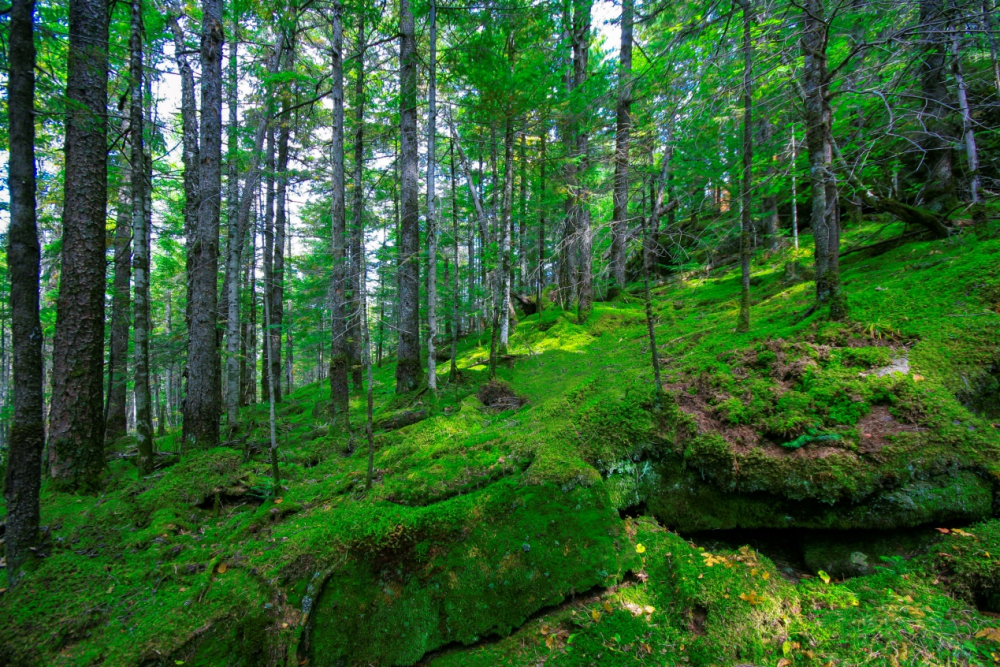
x=496, y=538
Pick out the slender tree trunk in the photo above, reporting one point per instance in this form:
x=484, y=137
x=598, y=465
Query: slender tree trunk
x=504, y=283
x=824, y=221
x=280, y=228
x=522, y=217
x=190, y=157
x=972, y=154
x=76, y=417
x=340, y=346
x=234, y=242
x=356, y=232
x=540, y=278
x=581, y=52
x=936, y=163
x=141, y=239
x=432, y=234
x=115, y=423
x=795, y=198
x=989, y=25
x=408, y=367
x=268, y=264
x=455, y=296
x=619, y=216
x=743, y=325
x=289, y=341
x=27, y=433
x=201, y=406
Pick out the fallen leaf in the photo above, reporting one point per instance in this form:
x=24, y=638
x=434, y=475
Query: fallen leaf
x=596, y=615
x=648, y=609
x=942, y=530
x=639, y=549
x=111, y=589
x=765, y=576
x=786, y=647
x=278, y=501
x=607, y=607
x=917, y=377
x=824, y=576
x=221, y=569
x=544, y=630
x=784, y=662
x=550, y=641
x=992, y=634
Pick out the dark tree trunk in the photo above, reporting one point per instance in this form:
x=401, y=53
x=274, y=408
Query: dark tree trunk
x=581, y=52
x=935, y=109
x=27, y=433
x=502, y=299
x=455, y=317
x=141, y=169
x=619, y=216
x=76, y=417
x=356, y=233
x=746, y=223
x=824, y=219
x=121, y=316
x=432, y=234
x=277, y=302
x=340, y=346
x=267, y=265
x=189, y=126
x=202, y=404
x=540, y=278
x=408, y=367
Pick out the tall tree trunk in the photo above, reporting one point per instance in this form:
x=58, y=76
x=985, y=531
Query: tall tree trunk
x=971, y=152
x=504, y=242
x=356, y=232
x=936, y=163
x=76, y=417
x=823, y=219
x=743, y=324
x=27, y=433
x=619, y=216
x=408, y=367
x=250, y=335
x=141, y=240
x=795, y=198
x=989, y=25
x=581, y=52
x=115, y=423
x=432, y=234
x=277, y=303
x=340, y=346
x=455, y=296
x=234, y=241
x=540, y=278
x=201, y=406
x=267, y=264
x=189, y=127
x=522, y=217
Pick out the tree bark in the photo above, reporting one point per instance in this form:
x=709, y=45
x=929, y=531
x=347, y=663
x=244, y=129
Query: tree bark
x=819, y=143
x=581, y=51
x=455, y=296
x=503, y=285
x=140, y=239
x=340, y=346
x=743, y=324
x=540, y=278
x=277, y=304
x=432, y=234
x=27, y=433
x=356, y=233
x=189, y=127
x=76, y=416
x=121, y=316
x=936, y=163
x=408, y=367
x=619, y=216
x=267, y=264
x=971, y=152
x=201, y=405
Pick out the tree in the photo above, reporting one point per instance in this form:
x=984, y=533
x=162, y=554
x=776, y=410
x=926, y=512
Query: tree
x=432, y=234
x=408, y=367
x=746, y=178
x=339, y=345
x=141, y=173
x=76, y=416
x=201, y=405
x=27, y=433
x=619, y=220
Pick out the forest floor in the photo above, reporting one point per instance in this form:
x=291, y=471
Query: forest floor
x=809, y=493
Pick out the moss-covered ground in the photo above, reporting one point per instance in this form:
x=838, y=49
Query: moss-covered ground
x=559, y=532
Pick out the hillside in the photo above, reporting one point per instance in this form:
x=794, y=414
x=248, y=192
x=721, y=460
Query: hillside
x=810, y=493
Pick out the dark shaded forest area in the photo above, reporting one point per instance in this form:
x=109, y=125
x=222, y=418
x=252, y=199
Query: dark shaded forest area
x=513, y=332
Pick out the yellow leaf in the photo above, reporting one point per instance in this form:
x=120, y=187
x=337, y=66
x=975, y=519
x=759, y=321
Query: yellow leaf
x=596, y=615
x=111, y=589
x=765, y=576
x=992, y=634
x=278, y=501
x=221, y=569
x=917, y=377
x=784, y=662
x=701, y=576
x=786, y=647
x=639, y=549
x=824, y=576
x=607, y=607
x=752, y=598
x=545, y=630
x=550, y=641
x=648, y=609
x=753, y=572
